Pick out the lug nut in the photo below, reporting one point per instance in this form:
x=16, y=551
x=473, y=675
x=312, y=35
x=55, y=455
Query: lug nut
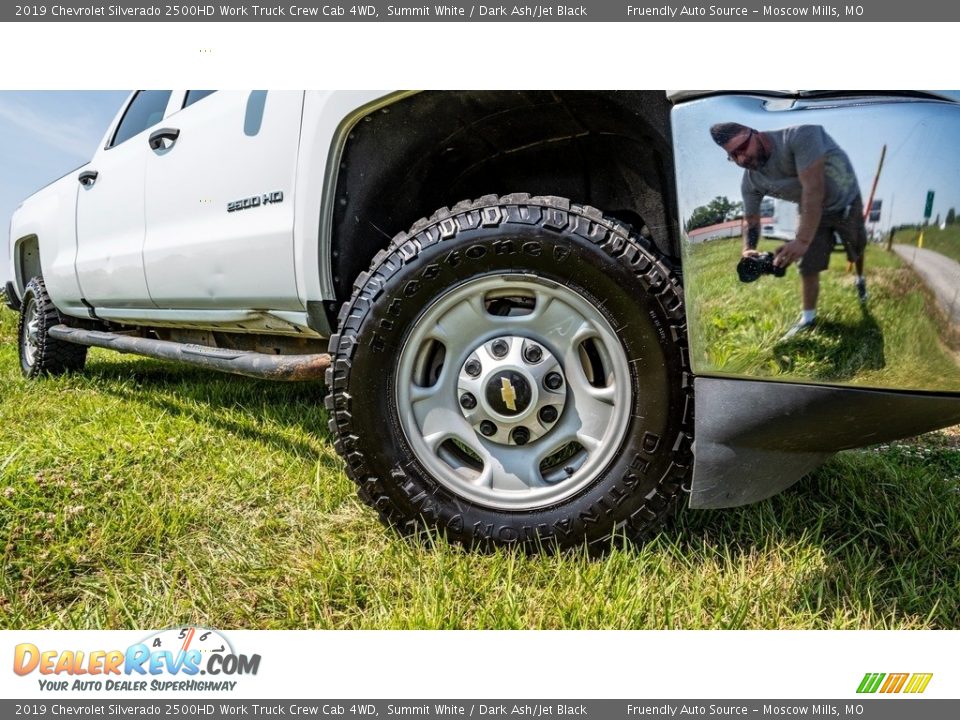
x=553, y=381
x=488, y=428
x=532, y=354
x=548, y=414
x=520, y=435
x=499, y=348
x=472, y=367
x=468, y=401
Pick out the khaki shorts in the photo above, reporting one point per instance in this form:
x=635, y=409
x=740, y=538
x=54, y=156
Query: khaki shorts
x=848, y=226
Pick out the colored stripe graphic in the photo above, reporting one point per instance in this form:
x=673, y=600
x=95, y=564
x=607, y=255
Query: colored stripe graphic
x=870, y=682
x=918, y=682
x=894, y=683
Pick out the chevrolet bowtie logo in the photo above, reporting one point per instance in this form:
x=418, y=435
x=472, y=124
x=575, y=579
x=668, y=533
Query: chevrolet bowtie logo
x=508, y=394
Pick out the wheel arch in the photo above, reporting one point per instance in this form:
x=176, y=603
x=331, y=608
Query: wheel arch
x=26, y=261
x=404, y=159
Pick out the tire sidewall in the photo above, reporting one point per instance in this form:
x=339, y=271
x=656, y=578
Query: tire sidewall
x=428, y=269
x=30, y=370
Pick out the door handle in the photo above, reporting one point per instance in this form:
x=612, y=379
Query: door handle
x=158, y=136
x=88, y=177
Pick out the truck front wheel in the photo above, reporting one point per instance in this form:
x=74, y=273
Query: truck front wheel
x=41, y=354
x=513, y=371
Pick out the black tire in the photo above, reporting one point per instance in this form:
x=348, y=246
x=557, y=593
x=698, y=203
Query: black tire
x=551, y=239
x=41, y=354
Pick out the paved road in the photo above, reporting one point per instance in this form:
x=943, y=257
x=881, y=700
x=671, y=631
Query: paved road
x=940, y=273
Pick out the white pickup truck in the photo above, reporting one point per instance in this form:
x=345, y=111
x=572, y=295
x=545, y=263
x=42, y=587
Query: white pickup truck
x=503, y=364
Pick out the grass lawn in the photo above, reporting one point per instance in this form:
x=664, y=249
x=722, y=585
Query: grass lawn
x=143, y=495
x=898, y=340
x=946, y=241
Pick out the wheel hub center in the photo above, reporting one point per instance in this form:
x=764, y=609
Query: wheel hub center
x=512, y=389
x=508, y=393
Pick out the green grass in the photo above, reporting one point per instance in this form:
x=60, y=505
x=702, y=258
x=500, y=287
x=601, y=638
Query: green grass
x=142, y=495
x=946, y=241
x=898, y=340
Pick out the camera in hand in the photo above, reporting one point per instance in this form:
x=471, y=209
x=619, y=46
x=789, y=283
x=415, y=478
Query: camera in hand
x=750, y=268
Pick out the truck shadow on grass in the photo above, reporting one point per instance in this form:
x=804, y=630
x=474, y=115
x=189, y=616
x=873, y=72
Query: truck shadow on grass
x=214, y=399
x=835, y=351
x=872, y=534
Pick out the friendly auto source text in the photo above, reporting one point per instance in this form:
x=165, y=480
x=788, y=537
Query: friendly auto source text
x=672, y=11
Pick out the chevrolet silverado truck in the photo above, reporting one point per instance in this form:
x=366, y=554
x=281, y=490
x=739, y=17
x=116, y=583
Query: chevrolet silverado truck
x=517, y=321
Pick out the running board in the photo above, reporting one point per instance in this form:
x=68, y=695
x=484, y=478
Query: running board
x=239, y=362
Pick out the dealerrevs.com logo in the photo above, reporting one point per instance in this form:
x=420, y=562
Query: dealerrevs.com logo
x=894, y=683
x=168, y=660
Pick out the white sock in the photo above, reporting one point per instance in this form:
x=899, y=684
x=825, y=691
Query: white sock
x=808, y=316
x=860, y=278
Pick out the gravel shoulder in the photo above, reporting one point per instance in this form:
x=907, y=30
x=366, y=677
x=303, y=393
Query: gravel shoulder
x=940, y=273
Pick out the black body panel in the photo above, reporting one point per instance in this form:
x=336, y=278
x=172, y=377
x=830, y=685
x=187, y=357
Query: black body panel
x=754, y=439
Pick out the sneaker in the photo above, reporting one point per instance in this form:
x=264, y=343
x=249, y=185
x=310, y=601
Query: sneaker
x=862, y=290
x=799, y=329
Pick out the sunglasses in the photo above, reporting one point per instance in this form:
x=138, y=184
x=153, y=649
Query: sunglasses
x=736, y=152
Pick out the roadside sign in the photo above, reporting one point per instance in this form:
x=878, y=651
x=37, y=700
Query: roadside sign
x=928, y=210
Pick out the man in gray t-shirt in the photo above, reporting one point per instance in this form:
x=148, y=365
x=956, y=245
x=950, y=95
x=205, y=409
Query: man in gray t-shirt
x=802, y=164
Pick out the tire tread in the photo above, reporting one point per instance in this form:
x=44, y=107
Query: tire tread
x=615, y=238
x=54, y=357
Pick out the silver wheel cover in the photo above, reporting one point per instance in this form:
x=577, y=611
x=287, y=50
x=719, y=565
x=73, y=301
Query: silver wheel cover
x=493, y=471
x=31, y=330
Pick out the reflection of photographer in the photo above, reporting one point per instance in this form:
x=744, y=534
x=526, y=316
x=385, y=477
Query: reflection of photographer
x=804, y=165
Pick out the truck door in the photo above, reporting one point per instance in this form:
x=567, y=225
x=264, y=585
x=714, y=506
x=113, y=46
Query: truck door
x=219, y=202
x=110, y=209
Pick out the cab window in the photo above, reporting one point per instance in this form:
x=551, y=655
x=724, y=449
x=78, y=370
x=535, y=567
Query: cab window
x=194, y=95
x=146, y=109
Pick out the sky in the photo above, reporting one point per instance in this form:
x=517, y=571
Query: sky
x=43, y=136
